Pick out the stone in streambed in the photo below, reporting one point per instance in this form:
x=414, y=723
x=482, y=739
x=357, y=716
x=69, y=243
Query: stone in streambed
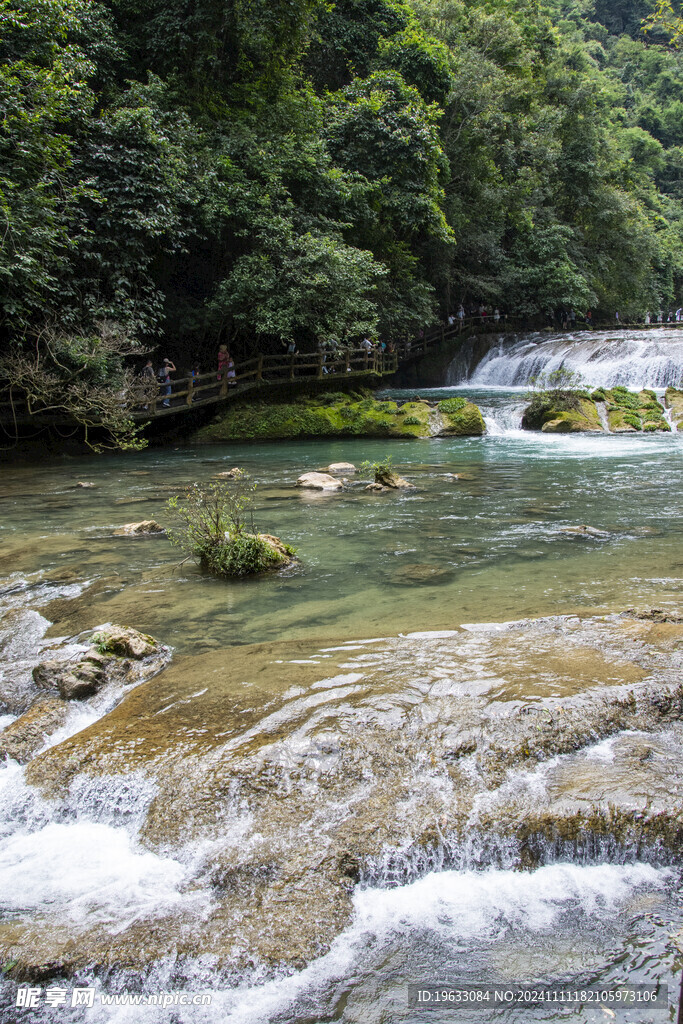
x=145, y=528
x=339, y=468
x=584, y=531
x=27, y=734
x=82, y=677
x=319, y=482
x=387, y=478
x=125, y=642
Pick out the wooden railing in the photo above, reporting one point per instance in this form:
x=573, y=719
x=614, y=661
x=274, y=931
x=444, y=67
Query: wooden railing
x=261, y=371
x=184, y=393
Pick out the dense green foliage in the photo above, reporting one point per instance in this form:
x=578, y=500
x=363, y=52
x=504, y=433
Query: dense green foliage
x=255, y=172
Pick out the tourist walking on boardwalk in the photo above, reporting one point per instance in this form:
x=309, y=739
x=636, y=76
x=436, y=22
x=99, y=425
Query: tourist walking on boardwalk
x=223, y=359
x=230, y=367
x=164, y=375
x=148, y=375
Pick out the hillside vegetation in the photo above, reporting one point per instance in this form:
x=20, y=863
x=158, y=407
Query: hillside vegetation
x=255, y=171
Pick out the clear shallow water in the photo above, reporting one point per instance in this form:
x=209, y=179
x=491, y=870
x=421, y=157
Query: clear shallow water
x=487, y=547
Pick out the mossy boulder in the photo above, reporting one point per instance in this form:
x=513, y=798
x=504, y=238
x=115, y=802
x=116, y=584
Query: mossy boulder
x=460, y=418
x=338, y=415
x=673, y=399
x=631, y=412
x=246, y=554
x=581, y=419
x=627, y=412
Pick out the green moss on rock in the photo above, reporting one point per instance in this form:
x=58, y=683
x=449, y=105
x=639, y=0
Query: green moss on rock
x=338, y=415
x=627, y=412
x=582, y=419
x=466, y=422
x=673, y=399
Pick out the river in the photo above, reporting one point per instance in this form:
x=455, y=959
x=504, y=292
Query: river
x=331, y=790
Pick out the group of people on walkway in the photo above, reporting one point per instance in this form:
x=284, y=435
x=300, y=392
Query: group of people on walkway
x=672, y=317
x=480, y=312
x=162, y=375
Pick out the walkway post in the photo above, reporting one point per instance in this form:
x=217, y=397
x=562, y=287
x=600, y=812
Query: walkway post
x=190, y=386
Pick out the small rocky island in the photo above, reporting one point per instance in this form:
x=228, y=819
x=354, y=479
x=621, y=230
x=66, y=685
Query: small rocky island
x=345, y=415
x=605, y=410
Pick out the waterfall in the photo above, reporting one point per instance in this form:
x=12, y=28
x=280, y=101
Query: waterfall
x=635, y=359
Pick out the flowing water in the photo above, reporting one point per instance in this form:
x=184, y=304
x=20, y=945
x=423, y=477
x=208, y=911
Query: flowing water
x=635, y=359
x=330, y=792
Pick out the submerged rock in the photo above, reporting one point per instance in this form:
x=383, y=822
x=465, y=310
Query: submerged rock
x=145, y=528
x=584, y=531
x=319, y=482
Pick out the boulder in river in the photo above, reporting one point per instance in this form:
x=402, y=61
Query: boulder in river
x=319, y=482
x=339, y=468
x=387, y=478
x=460, y=418
x=24, y=737
x=145, y=528
x=107, y=661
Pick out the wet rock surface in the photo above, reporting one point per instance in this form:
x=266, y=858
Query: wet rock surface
x=319, y=482
x=145, y=528
x=301, y=769
x=75, y=671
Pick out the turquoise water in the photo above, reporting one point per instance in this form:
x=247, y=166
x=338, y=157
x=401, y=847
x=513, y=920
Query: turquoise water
x=487, y=547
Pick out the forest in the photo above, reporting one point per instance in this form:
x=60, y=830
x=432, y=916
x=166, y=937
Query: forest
x=178, y=174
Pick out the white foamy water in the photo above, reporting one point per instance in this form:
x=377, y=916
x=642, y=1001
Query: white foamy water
x=460, y=913
x=87, y=872
x=652, y=359
x=80, y=858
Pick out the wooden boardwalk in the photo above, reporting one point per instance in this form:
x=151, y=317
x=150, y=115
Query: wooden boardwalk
x=201, y=390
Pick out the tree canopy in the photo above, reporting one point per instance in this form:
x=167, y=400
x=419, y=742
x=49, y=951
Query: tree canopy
x=260, y=171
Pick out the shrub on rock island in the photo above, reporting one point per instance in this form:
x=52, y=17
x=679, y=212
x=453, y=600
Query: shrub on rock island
x=215, y=525
x=550, y=393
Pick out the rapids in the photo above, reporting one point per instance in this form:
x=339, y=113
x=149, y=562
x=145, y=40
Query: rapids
x=445, y=746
